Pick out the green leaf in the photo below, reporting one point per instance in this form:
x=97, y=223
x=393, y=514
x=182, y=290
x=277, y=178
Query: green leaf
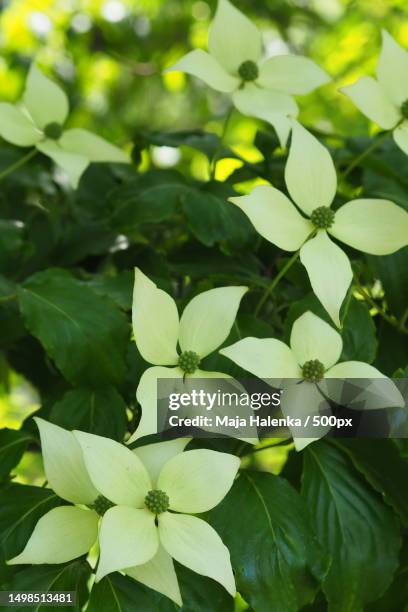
x=265, y=525
x=354, y=526
x=212, y=218
x=71, y=576
x=202, y=594
x=384, y=468
x=119, y=288
x=101, y=411
x=396, y=596
x=117, y=593
x=12, y=446
x=150, y=198
x=82, y=332
x=359, y=334
x=21, y=506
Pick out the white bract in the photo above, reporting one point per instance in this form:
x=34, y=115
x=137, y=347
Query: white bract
x=38, y=120
x=259, y=88
x=374, y=226
x=385, y=100
x=155, y=489
x=312, y=358
x=65, y=532
x=203, y=327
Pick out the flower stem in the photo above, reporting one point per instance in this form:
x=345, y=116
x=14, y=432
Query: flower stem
x=20, y=162
x=214, y=159
x=275, y=281
x=356, y=161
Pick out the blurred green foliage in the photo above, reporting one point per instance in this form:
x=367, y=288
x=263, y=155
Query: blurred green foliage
x=110, y=56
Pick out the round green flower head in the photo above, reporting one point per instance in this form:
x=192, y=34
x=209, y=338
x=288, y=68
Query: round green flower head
x=53, y=130
x=248, y=71
x=101, y=505
x=313, y=370
x=322, y=217
x=188, y=362
x=157, y=501
x=404, y=109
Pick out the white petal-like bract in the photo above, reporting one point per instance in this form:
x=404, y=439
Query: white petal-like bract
x=233, y=38
x=158, y=574
x=310, y=174
x=275, y=107
x=312, y=338
x=292, y=74
x=115, y=471
x=127, y=537
x=155, y=322
x=275, y=217
x=400, y=135
x=204, y=66
x=198, y=480
x=45, y=100
x=74, y=164
x=263, y=357
x=392, y=69
x=378, y=227
x=195, y=544
x=372, y=100
x=146, y=394
x=208, y=318
x=154, y=456
x=95, y=148
x=16, y=127
x=64, y=464
x=61, y=535
x=329, y=272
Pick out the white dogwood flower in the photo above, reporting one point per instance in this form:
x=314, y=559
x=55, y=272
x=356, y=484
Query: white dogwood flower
x=122, y=494
x=385, y=100
x=39, y=119
x=311, y=360
x=154, y=491
x=261, y=88
x=203, y=327
x=374, y=226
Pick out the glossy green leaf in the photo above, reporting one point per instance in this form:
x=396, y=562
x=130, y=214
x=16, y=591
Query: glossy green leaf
x=101, y=411
x=71, y=576
x=384, y=468
x=84, y=334
x=277, y=560
x=354, y=526
x=12, y=446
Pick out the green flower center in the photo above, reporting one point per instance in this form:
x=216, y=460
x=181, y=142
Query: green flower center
x=157, y=501
x=188, y=362
x=313, y=370
x=53, y=130
x=322, y=217
x=101, y=505
x=404, y=109
x=248, y=71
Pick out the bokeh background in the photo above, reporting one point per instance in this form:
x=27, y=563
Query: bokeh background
x=110, y=56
